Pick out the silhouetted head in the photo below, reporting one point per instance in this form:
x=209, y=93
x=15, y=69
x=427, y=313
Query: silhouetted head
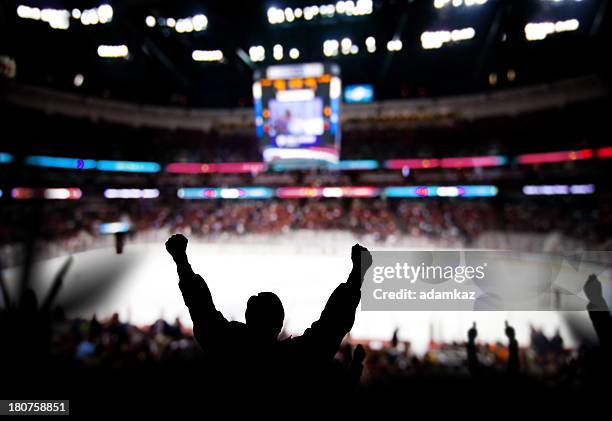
x=29, y=302
x=265, y=314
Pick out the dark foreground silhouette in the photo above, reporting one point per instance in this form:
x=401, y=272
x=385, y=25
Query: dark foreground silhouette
x=112, y=367
x=250, y=355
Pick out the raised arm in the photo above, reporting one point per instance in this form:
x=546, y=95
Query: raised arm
x=207, y=321
x=472, y=356
x=338, y=316
x=513, y=356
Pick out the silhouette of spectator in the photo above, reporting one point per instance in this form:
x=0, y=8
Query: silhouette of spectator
x=513, y=350
x=539, y=341
x=599, y=311
x=472, y=352
x=473, y=365
x=250, y=353
x=556, y=344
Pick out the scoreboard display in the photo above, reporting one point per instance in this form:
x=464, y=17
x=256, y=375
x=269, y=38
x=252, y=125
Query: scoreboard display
x=297, y=114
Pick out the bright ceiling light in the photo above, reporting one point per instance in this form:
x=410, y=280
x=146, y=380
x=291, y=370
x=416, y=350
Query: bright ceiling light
x=207, y=55
x=113, y=51
x=394, y=45
x=257, y=53
x=277, y=52
x=105, y=13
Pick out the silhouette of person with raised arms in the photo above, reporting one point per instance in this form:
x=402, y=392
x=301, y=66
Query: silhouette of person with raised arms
x=250, y=354
x=474, y=368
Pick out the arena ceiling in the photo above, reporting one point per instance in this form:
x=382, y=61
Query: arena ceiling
x=489, y=48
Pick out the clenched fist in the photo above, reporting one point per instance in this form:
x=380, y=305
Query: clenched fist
x=510, y=332
x=177, y=246
x=358, y=252
x=472, y=333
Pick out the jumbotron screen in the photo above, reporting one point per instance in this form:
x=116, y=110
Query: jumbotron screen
x=297, y=114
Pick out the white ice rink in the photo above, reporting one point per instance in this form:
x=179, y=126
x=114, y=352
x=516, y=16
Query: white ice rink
x=302, y=275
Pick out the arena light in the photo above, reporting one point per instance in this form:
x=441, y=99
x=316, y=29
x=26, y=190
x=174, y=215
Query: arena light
x=131, y=193
x=277, y=52
x=436, y=39
x=474, y=161
x=200, y=22
x=5, y=158
x=400, y=164
x=21, y=193
x=204, y=168
x=358, y=93
x=551, y=157
x=354, y=192
x=78, y=80
x=294, y=53
x=63, y=194
x=537, y=31
x=197, y=23
x=128, y=166
x=89, y=17
x=114, y=227
x=239, y=167
x=558, y=189
x=294, y=95
x=55, y=18
x=327, y=192
x=24, y=193
x=440, y=4
x=113, y=51
x=257, y=53
x=277, y=15
x=394, y=45
x=99, y=15
x=257, y=167
x=205, y=193
x=440, y=191
x=105, y=13
x=370, y=43
x=405, y=192
x=354, y=165
x=207, y=55
x=335, y=87
x=184, y=25
x=60, y=162
x=293, y=71
x=330, y=47
x=26, y=12
x=257, y=90
x=605, y=152
x=289, y=16
x=346, y=45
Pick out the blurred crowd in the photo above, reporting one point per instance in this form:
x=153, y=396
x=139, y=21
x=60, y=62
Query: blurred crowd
x=380, y=220
x=114, y=343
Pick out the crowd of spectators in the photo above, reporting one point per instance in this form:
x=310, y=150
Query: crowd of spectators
x=380, y=220
x=114, y=343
